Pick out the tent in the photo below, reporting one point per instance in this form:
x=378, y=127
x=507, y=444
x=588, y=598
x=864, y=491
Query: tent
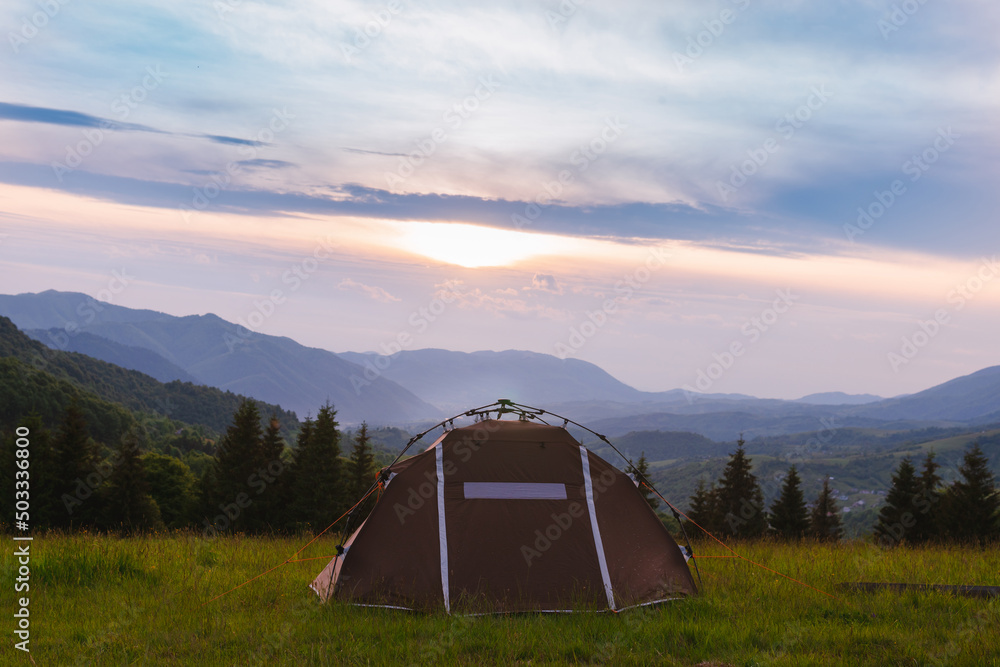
x=506, y=516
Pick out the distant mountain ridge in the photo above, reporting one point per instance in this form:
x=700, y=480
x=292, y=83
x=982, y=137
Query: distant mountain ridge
x=839, y=398
x=456, y=381
x=224, y=355
x=426, y=385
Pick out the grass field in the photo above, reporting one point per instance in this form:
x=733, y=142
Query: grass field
x=106, y=601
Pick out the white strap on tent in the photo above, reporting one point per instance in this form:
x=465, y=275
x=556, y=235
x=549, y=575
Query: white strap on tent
x=598, y=543
x=442, y=529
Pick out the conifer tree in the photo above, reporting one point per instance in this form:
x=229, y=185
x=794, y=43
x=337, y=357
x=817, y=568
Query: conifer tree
x=789, y=515
x=704, y=510
x=897, y=517
x=317, y=478
x=971, y=504
x=361, y=465
x=361, y=471
x=824, y=520
x=74, y=469
x=642, y=470
x=740, y=499
x=127, y=504
x=289, y=487
x=927, y=504
x=239, y=451
x=269, y=482
x=239, y=461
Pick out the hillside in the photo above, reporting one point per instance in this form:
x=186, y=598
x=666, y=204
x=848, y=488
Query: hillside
x=52, y=372
x=134, y=358
x=25, y=390
x=224, y=355
x=662, y=446
x=973, y=398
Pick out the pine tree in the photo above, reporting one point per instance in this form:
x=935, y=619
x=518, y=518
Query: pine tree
x=824, y=520
x=318, y=490
x=268, y=485
x=789, y=516
x=927, y=504
x=704, y=512
x=127, y=504
x=740, y=499
x=642, y=470
x=239, y=461
x=361, y=465
x=74, y=460
x=971, y=504
x=897, y=517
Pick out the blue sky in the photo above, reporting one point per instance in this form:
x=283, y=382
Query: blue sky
x=211, y=148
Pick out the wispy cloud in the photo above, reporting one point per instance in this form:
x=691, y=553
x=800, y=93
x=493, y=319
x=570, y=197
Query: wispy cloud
x=361, y=151
x=261, y=163
x=30, y=114
x=371, y=291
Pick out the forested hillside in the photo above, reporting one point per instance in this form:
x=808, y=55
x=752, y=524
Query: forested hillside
x=43, y=374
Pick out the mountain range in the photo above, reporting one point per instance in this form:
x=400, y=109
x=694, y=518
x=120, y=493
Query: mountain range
x=427, y=385
x=213, y=352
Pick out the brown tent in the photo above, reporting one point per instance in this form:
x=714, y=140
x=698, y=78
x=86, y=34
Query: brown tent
x=508, y=516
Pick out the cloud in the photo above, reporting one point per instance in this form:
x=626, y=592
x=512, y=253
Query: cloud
x=376, y=293
x=29, y=114
x=220, y=139
x=361, y=151
x=502, y=301
x=260, y=163
x=545, y=282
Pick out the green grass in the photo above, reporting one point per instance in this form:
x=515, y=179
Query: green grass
x=106, y=601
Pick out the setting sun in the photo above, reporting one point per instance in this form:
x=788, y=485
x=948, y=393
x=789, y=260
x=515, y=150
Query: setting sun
x=473, y=246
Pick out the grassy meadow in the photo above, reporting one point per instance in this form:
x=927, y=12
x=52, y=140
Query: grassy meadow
x=107, y=601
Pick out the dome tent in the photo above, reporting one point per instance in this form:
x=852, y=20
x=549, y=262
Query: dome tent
x=506, y=516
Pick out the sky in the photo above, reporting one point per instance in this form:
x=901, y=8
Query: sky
x=773, y=198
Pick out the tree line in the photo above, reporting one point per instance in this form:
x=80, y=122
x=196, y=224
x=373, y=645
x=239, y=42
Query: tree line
x=254, y=483
x=918, y=508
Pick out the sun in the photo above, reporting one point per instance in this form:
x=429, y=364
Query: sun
x=473, y=246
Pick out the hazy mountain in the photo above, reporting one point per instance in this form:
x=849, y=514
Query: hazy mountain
x=839, y=398
x=970, y=398
x=222, y=354
x=456, y=381
x=126, y=356
x=419, y=385
x=663, y=446
x=51, y=309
